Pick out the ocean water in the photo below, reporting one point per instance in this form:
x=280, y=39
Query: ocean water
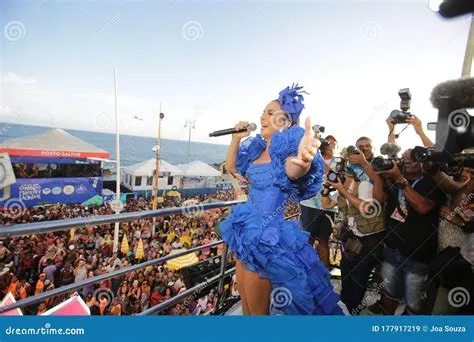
x=133, y=149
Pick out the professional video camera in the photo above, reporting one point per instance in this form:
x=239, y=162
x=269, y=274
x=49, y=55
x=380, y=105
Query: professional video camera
x=454, y=128
x=453, y=167
x=454, y=8
x=400, y=116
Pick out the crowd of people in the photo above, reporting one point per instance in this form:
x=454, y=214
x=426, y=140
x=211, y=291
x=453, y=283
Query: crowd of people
x=407, y=225
x=34, y=264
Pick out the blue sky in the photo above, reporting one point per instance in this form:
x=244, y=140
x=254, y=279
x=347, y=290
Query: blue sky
x=221, y=62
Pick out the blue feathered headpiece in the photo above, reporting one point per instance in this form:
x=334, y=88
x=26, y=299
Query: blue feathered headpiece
x=291, y=100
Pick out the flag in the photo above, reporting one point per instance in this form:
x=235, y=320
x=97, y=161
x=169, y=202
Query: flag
x=140, y=254
x=124, y=248
x=9, y=299
x=74, y=306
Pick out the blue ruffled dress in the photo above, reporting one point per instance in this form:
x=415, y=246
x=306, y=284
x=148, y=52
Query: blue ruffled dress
x=265, y=242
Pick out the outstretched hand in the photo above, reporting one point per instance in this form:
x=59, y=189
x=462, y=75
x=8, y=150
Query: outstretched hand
x=307, y=148
x=415, y=122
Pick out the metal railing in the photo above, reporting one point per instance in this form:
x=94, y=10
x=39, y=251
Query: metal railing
x=60, y=225
x=97, y=279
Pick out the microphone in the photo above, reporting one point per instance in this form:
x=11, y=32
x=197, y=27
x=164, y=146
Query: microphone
x=454, y=8
x=251, y=127
x=460, y=90
x=389, y=149
x=455, y=126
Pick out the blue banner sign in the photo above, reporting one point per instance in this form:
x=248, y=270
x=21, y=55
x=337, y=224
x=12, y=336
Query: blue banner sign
x=37, y=191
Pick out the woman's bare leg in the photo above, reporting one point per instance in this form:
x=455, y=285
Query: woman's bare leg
x=257, y=291
x=240, y=275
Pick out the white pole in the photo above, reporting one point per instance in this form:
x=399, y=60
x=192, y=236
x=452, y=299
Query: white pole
x=117, y=149
x=191, y=126
x=466, y=67
x=157, y=167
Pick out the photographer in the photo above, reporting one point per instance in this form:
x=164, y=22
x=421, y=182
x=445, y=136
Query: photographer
x=316, y=220
x=411, y=222
x=359, y=201
x=451, y=268
x=364, y=145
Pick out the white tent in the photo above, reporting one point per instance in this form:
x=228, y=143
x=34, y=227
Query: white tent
x=140, y=176
x=199, y=169
x=54, y=143
x=198, y=174
x=147, y=168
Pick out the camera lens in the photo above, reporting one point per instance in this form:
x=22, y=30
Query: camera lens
x=351, y=150
x=381, y=164
x=395, y=113
x=332, y=176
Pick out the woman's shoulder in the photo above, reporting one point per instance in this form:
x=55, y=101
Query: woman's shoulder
x=252, y=147
x=286, y=142
x=256, y=140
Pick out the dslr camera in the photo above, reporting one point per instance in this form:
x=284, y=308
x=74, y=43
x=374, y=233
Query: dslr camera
x=384, y=164
x=337, y=173
x=400, y=116
x=318, y=129
x=333, y=177
x=351, y=149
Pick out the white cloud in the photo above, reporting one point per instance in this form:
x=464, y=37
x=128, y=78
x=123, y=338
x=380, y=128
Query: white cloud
x=5, y=110
x=358, y=106
x=80, y=109
x=12, y=78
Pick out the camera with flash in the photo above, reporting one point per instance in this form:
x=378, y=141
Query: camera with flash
x=400, y=116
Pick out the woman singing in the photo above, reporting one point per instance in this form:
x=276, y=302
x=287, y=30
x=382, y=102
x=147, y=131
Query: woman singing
x=277, y=269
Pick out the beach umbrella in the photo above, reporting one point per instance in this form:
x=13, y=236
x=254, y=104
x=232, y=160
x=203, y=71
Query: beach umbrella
x=182, y=261
x=140, y=254
x=124, y=248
